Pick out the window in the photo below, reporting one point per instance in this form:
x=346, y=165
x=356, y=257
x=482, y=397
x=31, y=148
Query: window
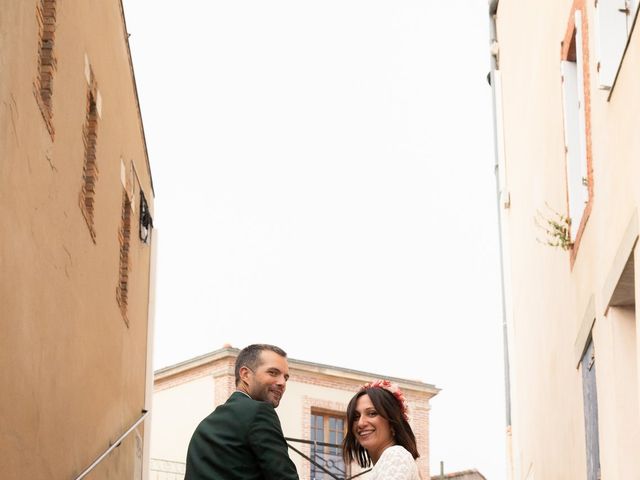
x=43, y=84
x=590, y=398
x=327, y=431
x=576, y=109
x=615, y=19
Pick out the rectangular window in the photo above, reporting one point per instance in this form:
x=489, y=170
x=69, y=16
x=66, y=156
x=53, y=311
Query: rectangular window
x=327, y=433
x=575, y=96
x=590, y=398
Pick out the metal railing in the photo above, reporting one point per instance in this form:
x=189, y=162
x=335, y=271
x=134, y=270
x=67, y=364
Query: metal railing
x=113, y=446
x=326, y=458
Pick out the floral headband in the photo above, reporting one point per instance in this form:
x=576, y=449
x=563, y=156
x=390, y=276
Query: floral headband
x=392, y=388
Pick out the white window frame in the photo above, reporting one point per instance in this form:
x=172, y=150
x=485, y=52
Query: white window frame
x=575, y=136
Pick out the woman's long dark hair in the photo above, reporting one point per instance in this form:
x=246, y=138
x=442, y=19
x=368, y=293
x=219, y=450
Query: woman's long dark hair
x=388, y=408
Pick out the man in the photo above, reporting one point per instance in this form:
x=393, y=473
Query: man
x=242, y=439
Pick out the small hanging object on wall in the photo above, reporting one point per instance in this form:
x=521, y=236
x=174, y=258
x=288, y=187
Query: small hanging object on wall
x=146, y=221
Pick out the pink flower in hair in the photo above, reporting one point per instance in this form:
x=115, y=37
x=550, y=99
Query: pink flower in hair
x=392, y=388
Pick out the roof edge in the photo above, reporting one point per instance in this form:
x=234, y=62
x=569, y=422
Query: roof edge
x=200, y=360
x=135, y=91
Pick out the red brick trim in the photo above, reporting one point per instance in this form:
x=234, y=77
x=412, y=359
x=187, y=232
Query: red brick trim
x=124, y=238
x=568, y=52
x=220, y=368
x=43, y=83
x=90, y=165
x=309, y=405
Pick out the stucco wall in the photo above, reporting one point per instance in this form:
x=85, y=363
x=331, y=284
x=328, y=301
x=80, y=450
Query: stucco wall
x=73, y=371
x=552, y=297
x=176, y=414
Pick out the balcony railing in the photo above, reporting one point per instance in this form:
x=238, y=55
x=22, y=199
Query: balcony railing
x=325, y=460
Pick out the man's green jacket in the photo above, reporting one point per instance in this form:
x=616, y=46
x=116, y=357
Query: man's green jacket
x=241, y=440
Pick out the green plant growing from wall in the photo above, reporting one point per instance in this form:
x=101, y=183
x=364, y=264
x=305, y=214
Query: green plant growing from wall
x=556, y=227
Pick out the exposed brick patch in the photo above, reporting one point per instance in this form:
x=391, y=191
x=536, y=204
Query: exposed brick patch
x=90, y=165
x=221, y=368
x=43, y=84
x=225, y=385
x=419, y=421
x=124, y=237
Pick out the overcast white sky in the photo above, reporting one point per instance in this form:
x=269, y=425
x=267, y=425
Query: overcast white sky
x=324, y=181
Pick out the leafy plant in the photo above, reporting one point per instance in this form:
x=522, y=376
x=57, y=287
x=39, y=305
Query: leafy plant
x=556, y=227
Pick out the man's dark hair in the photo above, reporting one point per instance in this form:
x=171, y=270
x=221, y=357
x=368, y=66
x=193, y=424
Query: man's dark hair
x=250, y=357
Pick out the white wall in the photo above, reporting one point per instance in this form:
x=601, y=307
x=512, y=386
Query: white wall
x=175, y=415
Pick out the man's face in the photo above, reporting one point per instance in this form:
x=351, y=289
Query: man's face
x=269, y=381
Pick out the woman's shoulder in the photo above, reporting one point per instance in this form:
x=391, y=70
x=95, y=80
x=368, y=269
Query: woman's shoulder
x=397, y=452
x=396, y=463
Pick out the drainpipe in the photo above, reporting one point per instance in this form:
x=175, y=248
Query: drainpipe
x=493, y=8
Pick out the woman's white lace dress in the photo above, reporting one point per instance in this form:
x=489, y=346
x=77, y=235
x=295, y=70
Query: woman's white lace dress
x=395, y=463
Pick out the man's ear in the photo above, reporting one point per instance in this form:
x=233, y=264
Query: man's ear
x=244, y=374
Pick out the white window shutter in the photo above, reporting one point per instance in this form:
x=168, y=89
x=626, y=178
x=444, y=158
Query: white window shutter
x=572, y=141
x=570, y=107
x=611, y=39
x=581, y=191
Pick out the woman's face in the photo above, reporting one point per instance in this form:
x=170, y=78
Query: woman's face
x=372, y=431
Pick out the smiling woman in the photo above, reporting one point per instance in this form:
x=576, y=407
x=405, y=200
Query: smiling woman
x=378, y=432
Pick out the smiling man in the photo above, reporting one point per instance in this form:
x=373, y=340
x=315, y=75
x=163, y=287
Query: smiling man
x=243, y=439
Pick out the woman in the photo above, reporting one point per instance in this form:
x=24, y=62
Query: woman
x=378, y=433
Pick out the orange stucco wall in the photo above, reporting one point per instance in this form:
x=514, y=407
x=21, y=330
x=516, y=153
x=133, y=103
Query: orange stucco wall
x=73, y=372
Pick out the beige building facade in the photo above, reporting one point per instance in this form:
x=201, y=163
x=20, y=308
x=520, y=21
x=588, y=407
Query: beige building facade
x=76, y=208
x=565, y=76
x=313, y=408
